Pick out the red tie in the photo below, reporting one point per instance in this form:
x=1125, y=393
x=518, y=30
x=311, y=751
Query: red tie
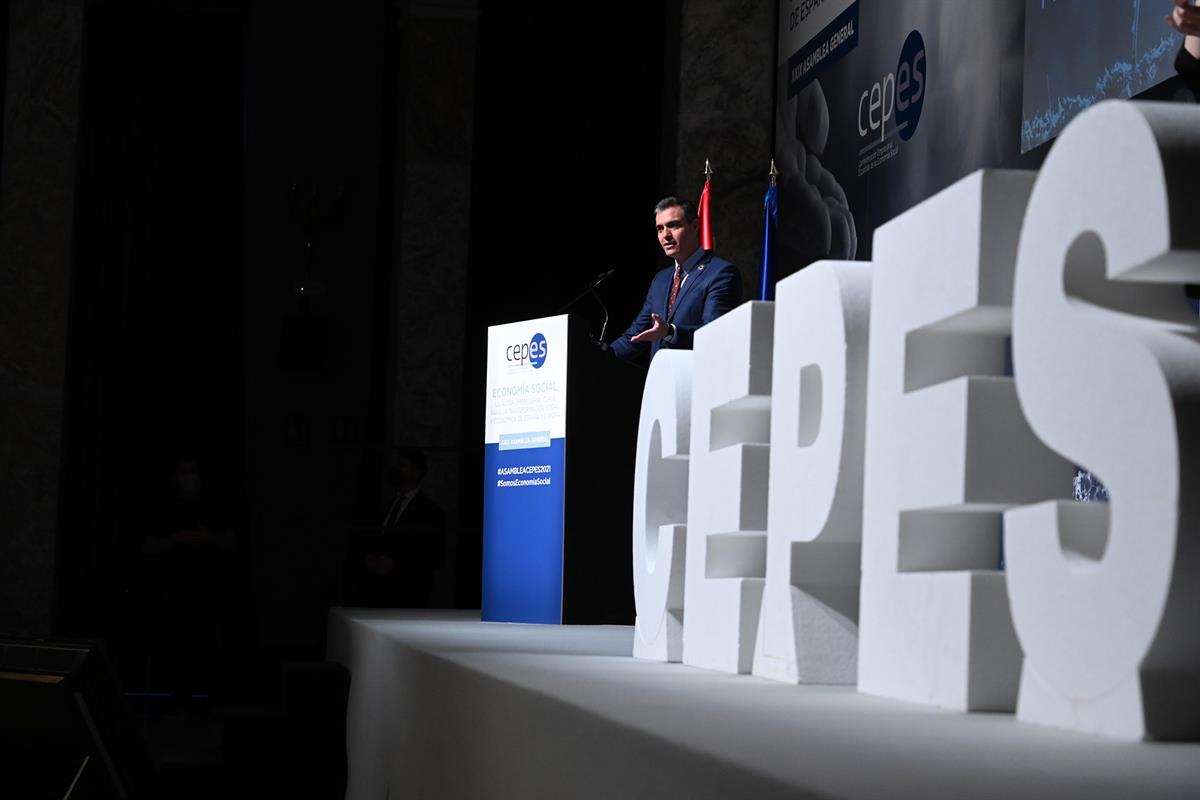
x=674, y=288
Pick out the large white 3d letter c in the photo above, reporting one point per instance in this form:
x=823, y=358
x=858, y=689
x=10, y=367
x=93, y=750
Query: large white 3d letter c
x=660, y=499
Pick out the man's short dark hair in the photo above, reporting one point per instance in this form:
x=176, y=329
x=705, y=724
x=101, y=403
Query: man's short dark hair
x=689, y=210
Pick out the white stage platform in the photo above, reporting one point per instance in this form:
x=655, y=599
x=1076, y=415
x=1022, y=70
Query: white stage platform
x=442, y=705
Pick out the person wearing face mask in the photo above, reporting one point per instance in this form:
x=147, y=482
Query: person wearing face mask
x=190, y=520
x=1185, y=18
x=394, y=566
x=187, y=548
x=692, y=292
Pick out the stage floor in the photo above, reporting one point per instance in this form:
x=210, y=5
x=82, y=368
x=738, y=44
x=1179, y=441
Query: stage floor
x=442, y=705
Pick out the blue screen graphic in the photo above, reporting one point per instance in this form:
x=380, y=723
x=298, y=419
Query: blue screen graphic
x=1079, y=52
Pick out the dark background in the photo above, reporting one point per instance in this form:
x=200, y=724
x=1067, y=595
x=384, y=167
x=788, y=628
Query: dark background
x=269, y=237
x=229, y=154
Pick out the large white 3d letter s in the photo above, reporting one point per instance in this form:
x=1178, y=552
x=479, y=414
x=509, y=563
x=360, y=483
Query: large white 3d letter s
x=1106, y=597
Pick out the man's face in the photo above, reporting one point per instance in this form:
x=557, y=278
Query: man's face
x=678, y=237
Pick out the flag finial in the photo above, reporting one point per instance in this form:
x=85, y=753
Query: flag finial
x=774, y=173
x=708, y=173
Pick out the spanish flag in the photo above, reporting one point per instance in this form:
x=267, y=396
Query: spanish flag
x=706, y=234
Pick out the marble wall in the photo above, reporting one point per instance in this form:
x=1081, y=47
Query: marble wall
x=726, y=114
x=37, y=195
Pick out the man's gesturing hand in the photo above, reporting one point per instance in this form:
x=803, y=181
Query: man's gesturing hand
x=657, y=330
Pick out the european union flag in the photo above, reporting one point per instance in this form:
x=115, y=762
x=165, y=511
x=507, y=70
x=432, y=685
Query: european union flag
x=770, y=232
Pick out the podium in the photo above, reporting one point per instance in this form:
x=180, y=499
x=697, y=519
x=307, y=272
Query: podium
x=560, y=433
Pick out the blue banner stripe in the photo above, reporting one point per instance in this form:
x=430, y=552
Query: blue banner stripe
x=523, y=505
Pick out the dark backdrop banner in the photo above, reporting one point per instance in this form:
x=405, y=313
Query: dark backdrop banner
x=881, y=105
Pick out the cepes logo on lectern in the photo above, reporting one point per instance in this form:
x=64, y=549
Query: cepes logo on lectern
x=533, y=353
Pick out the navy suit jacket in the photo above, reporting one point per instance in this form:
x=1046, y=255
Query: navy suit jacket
x=713, y=286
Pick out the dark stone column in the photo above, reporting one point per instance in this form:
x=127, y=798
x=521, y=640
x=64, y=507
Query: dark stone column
x=437, y=99
x=726, y=114
x=314, y=161
x=37, y=197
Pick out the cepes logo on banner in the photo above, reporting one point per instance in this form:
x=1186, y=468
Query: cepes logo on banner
x=898, y=95
x=533, y=353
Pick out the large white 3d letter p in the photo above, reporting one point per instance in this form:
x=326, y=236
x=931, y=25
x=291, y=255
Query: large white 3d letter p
x=1106, y=597
x=660, y=497
x=808, y=632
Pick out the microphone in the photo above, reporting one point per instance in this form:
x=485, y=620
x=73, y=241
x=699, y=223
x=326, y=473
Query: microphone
x=592, y=284
x=591, y=289
x=601, y=278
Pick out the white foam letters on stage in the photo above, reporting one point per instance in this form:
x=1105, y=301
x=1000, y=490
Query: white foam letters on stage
x=808, y=630
x=660, y=506
x=947, y=451
x=1103, y=598
x=727, y=493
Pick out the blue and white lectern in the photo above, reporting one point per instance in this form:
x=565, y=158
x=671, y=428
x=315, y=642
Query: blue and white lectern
x=559, y=438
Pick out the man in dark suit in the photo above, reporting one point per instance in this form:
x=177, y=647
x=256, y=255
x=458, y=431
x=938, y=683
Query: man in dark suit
x=394, y=566
x=695, y=290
